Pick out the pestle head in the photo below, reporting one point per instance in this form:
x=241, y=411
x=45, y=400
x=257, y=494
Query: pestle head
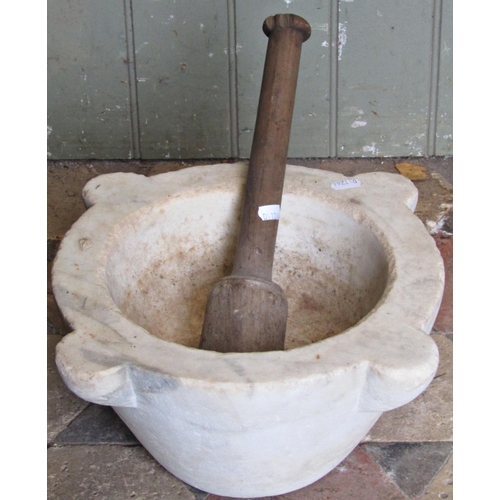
x=245, y=315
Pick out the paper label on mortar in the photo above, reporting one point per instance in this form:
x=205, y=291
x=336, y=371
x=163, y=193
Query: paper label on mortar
x=269, y=212
x=346, y=184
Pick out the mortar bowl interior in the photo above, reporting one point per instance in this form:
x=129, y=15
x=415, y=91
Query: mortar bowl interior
x=164, y=258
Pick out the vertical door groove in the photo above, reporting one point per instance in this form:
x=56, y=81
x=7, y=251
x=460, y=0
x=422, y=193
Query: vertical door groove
x=434, y=80
x=334, y=39
x=135, y=142
x=233, y=80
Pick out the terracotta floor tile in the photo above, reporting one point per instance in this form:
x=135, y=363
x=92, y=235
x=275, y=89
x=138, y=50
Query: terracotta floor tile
x=435, y=201
x=358, y=477
x=444, y=320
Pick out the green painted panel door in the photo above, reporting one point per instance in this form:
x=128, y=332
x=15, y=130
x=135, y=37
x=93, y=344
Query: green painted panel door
x=384, y=68
x=87, y=80
x=181, y=52
x=157, y=79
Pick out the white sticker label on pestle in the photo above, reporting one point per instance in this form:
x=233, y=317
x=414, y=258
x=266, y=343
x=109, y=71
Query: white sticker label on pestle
x=269, y=212
x=347, y=184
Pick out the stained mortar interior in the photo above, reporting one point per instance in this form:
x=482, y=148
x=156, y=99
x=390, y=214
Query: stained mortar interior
x=166, y=257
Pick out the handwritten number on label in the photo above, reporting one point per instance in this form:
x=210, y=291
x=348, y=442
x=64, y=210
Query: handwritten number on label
x=269, y=212
x=346, y=184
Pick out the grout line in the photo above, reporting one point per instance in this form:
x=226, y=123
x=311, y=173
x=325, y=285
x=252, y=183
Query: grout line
x=233, y=80
x=434, y=78
x=334, y=73
x=135, y=143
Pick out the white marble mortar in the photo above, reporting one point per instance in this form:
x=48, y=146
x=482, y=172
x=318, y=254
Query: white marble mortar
x=364, y=282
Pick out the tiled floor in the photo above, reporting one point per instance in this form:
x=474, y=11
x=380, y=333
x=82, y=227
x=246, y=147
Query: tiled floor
x=406, y=455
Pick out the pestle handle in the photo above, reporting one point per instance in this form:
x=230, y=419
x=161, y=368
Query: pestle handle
x=247, y=312
x=266, y=170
